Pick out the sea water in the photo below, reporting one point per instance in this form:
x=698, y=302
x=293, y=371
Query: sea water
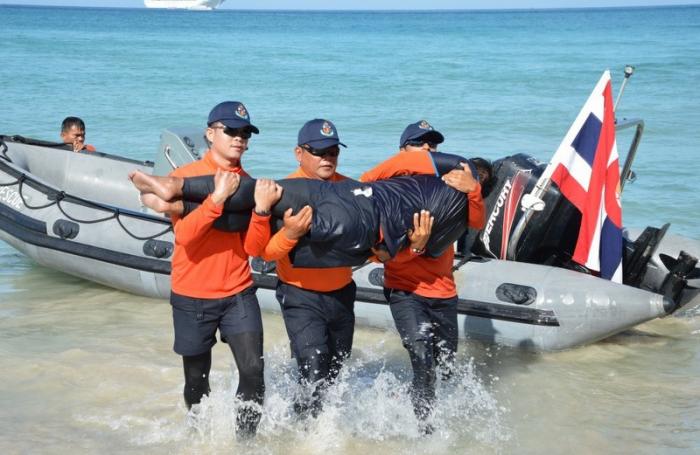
x=88, y=369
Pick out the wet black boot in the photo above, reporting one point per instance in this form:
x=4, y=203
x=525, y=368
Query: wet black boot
x=313, y=377
x=247, y=421
x=423, y=387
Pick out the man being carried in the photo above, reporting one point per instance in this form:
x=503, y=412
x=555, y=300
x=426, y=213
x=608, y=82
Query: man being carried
x=350, y=218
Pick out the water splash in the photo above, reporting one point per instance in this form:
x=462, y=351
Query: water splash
x=368, y=405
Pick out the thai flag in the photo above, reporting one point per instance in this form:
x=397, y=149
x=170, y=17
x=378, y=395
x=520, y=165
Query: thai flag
x=586, y=168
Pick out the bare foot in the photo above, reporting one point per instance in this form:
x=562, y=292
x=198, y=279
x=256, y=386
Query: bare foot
x=166, y=188
x=157, y=204
x=141, y=181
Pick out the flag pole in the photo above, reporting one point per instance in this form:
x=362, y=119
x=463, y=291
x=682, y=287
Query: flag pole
x=629, y=71
x=626, y=173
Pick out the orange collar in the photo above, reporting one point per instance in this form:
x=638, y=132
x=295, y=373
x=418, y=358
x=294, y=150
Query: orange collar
x=213, y=165
x=300, y=173
x=303, y=174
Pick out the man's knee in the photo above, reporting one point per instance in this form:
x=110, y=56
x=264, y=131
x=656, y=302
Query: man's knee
x=247, y=351
x=253, y=368
x=419, y=349
x=314, y=366
x=251, y=384
x=196, y=370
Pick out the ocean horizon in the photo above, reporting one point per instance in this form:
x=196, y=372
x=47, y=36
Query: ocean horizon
x=378, y=10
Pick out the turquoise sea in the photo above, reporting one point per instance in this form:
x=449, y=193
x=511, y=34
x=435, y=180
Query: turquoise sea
x=494, y=82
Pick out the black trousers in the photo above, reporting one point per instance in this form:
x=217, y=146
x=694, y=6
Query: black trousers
x=320, y=326
x=318, y=322
x=237, y=318
x=348, y=215
x=344, y=226
x=429, y=332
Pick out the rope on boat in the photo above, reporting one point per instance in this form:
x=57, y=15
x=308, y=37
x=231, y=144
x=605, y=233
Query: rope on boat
x=4, y=151
x=21, y=180
x=131, y=234
x=61, y=196
x=30, y=141
x=114, y=216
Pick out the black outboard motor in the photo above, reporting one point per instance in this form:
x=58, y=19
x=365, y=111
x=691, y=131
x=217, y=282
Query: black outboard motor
x=550, y=235
x=662, y=274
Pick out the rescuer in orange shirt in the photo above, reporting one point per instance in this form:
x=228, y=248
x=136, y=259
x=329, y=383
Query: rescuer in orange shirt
x=73, y=134
x=317, y=304
x=212, y=288
x=421, y=290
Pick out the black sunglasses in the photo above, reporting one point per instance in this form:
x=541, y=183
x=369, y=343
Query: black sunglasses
x=419, y=143
x=332, y=151
x=243, y=133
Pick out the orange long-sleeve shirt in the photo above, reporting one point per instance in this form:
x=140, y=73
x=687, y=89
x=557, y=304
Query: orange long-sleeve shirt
x=278, y=247
x=207, y=263
x=422, y=275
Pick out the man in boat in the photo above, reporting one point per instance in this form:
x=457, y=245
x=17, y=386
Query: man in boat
x=420, y=288
x=212, y=287
x=73, y=134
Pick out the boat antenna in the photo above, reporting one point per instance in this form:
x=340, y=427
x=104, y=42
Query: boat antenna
x=629, y=71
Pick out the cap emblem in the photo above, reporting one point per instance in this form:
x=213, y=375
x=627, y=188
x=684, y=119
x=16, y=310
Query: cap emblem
x=425, y=125
x=327, y=129
x=241, y=112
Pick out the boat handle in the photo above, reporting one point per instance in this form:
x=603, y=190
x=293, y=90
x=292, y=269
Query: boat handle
x=166, y=152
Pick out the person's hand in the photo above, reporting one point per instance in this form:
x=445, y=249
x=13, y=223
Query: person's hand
x=461, y=180
x=296, y=226
x=267, y=193
x=381, y=254
x=225, y=184
x=422, y=227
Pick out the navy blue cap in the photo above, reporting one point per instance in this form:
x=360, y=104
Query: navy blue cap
x=421, y=129
x=232, y=114
x=319, y=134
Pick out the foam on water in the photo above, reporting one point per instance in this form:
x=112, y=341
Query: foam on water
x=368, y=404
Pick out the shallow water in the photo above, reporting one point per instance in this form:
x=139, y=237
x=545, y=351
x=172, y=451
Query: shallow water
x=88, y=369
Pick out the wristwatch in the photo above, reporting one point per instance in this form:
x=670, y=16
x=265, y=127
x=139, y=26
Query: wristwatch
x=262, y=212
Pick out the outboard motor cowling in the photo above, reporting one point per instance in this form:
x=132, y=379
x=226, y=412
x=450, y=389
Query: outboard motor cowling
x=550, y=235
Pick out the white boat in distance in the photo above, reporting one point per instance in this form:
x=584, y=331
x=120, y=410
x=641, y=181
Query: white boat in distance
x=202, y=5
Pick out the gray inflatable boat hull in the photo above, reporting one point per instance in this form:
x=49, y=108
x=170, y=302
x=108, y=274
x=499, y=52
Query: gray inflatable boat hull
x=78, y=213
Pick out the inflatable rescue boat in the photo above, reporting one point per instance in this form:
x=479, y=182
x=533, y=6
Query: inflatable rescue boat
x=78, y=213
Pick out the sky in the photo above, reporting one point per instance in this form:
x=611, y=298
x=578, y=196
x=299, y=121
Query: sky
x=376, y=4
